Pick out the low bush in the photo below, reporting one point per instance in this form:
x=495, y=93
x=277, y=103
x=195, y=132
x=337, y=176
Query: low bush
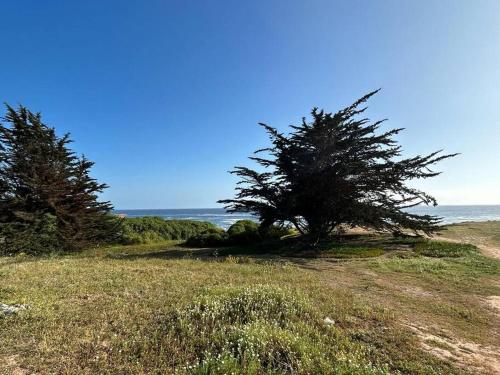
x=243, y=226
x=151, y=229
x=276, y=231
x=260, y=330
x=244, y=305
x=209, y=238
x=243, y=232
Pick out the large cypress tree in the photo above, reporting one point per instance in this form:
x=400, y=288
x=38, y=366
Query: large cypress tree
x=48, y=201
x=335, y=171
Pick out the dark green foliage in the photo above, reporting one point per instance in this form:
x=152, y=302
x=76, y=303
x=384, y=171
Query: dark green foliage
x=437, y=249
x=151, y=229
x=243, y=226
x=336, y=171
x=243, y=232
x=48, y=201
x=277, y=231
x=36, y=237
x=209, y=239
x=248, y=232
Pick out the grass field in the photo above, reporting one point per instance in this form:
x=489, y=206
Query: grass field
x=485, y=234
x=414, y=307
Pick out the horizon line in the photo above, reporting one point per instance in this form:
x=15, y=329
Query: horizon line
x=212, y=208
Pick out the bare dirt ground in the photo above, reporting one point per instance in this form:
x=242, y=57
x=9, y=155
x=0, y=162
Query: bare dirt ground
x=494, y=302
x=436, y=335
x=468, y=355
x=485, y=237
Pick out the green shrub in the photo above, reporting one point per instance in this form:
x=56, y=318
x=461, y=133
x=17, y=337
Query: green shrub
x=243, y=226
x=38, y=237
x=151, y=229
x=244, y=232
x=277, y=232
x=210, y=238
x=438, y=249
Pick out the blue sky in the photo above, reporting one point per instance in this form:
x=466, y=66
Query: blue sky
x=165, y=95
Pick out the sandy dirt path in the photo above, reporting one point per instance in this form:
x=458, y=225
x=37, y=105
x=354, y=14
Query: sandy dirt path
x=481, y=243
x=488, y=356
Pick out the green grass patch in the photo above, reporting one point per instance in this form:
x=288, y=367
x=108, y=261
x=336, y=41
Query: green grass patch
x=487, y=232
x=351, y=252
x=437, y=249
x=297, y=247
x=262, y=329
x=103, y=313
x=163, y=308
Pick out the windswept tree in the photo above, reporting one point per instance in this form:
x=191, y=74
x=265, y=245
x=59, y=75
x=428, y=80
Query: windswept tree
x=337, y=170
x=48, y=200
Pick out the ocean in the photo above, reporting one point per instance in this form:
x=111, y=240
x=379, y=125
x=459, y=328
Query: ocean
x=222, y=218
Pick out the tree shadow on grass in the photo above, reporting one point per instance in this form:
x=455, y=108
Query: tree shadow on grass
x=291, y=251
x=241, y=257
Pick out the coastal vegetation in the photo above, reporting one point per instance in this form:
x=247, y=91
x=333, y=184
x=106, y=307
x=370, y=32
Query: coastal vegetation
x=417, y=307
x=48, y=200
x=151, y=229
x=334, y=173
x=335, y=278
x=243, y=232
x=338, y=170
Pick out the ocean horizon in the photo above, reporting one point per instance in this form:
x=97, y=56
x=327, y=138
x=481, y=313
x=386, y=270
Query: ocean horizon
x=219, y=216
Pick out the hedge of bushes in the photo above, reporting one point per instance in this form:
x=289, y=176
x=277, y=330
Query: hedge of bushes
x=151, y=229
x=243, y=232
x=43, y=238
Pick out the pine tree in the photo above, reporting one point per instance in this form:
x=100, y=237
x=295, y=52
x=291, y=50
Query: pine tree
x=48, y=201
x=336, y=171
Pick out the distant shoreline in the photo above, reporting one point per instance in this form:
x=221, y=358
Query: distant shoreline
x=450, y=214
x=222, y=208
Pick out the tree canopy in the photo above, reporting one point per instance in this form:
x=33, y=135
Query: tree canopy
x=48, y=200
x=337, y=170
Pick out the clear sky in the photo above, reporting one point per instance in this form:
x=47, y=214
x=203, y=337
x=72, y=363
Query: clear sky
x=165, y=95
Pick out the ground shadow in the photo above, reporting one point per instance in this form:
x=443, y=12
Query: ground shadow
x=345, y=249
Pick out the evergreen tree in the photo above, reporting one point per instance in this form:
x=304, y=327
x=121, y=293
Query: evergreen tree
x=336, y=171
x=48, y=201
